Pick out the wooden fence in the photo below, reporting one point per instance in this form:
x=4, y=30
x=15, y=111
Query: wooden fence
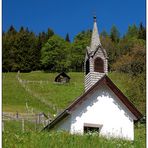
x=39, y=120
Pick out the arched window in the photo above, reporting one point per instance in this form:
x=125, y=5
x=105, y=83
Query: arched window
x=98, y=65
x=87, y=66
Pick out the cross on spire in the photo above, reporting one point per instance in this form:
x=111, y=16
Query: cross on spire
x=95, y=18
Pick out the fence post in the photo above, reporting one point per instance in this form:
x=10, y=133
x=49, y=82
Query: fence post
x=32, y=111
x=22, y=125
x=27, y=107
x=17, y=115
x=39, y=118
x=3, y=126
x=36, y=123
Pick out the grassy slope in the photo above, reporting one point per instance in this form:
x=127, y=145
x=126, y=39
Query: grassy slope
x=64, y=140
x=130, y=87
x=58, y=95
x=15, y=96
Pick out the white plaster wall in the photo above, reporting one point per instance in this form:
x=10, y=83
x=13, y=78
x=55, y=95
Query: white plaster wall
x=64, y=124
x=103, y=107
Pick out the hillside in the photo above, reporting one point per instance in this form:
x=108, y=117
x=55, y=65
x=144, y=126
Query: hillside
x=37, y=92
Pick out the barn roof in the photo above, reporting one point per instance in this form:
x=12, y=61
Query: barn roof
x=62, y=74
x=104, y=80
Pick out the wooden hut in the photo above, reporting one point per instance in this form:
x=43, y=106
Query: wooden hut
x=62, y=78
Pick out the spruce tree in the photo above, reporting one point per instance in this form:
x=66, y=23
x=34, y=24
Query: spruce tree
x=142, y=32
x=114, y=34
x=67, y=38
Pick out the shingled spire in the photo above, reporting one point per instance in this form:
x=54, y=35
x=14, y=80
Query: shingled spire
x=95, y=39
x=96, y=63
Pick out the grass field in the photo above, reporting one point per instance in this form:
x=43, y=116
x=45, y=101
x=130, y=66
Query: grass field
x=43, y=95
x=31, y=139
x=57, y=96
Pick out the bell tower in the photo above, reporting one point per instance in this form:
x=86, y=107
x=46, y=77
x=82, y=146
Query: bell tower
x=96, y=61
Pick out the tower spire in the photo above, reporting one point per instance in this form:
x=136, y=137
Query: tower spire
x=96, y=62
x=95, y=39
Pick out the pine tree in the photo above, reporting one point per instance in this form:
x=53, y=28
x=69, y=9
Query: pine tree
x=67, y=38
x=132, y=31
x=50, y=33
x=104, y=33
x=11, y=30
x=114, y=34
x=142, y=32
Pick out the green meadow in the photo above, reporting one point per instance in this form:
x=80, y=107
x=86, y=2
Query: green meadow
x=40, y=93
x=43, y=96
x=32, y=139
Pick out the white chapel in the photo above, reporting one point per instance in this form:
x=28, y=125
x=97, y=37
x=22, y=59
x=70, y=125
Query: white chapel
x=102, y=108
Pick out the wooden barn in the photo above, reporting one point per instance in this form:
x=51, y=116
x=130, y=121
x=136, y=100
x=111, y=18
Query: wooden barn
x=102, y=108
x=62, y=78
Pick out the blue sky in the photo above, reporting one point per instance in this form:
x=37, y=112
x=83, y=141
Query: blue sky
x=72, y=16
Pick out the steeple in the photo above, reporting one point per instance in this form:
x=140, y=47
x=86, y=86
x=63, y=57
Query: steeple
x=96, y=63
x=95, y=39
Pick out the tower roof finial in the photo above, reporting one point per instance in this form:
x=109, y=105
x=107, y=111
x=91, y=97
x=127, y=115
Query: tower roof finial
x=95, y=18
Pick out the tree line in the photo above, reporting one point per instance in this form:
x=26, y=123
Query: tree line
x=24, y=51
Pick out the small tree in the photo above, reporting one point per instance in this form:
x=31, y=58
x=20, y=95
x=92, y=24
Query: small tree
x=67, y=38
x=132, y=31
x=142, y=32
x=114, y=34
x=104, y=34
x=54, y=54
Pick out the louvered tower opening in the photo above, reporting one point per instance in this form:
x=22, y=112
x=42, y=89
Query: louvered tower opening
x=99, y=65
x=87, y=66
